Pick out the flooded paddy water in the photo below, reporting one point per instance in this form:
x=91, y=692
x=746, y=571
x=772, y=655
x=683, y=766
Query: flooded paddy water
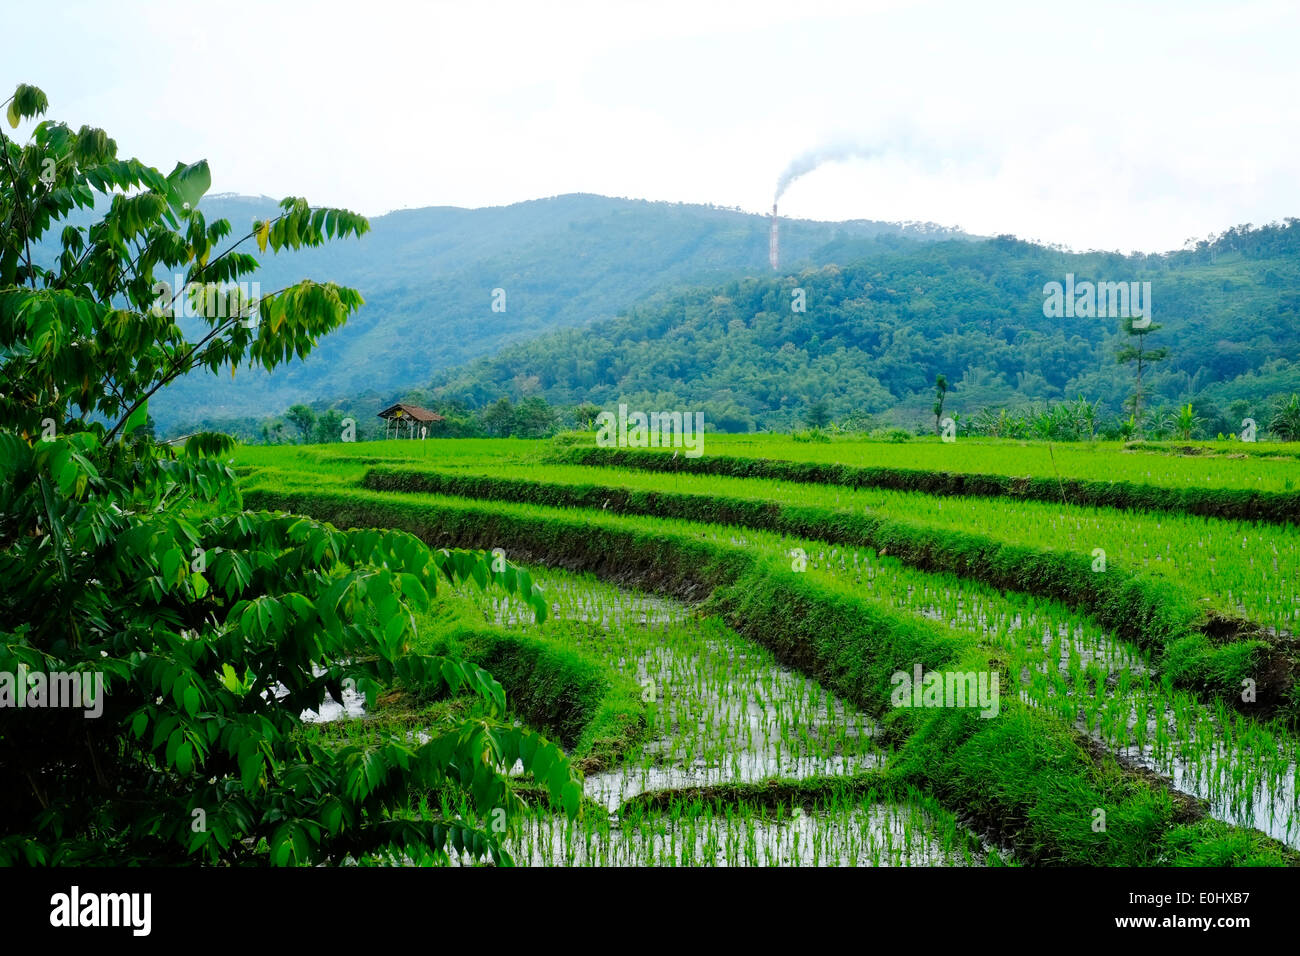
x=721, y=711
x=1242, y=769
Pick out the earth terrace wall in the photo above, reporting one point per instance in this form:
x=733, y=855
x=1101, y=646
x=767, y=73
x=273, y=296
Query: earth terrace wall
x=1211, y=654
x=1023, y=774
x=1237, y=449
x=1276, y=507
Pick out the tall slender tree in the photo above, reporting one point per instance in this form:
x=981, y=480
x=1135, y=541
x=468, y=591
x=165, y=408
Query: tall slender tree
x=1136, y=350
x=940, y=393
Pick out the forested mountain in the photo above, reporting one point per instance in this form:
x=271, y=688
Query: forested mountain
x=880, y=325
x=428, y=277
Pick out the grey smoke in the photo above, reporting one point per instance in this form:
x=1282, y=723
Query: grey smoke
x=899, y=138
x=804, y=164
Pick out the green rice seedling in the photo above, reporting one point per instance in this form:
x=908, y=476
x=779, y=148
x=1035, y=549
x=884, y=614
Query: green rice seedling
x=724, y=708
x=1141, y=715
x=1242, y=566
x=1136, y=720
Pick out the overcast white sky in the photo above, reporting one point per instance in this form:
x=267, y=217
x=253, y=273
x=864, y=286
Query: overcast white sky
x=1094, y=124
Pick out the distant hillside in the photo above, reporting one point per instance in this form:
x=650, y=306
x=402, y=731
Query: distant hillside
x=428, y=277
x=878, y=329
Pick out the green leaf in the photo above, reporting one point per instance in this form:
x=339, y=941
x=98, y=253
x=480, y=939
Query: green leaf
x=136, y=418
x=172, y=560
x=393, y=630
x=188, y=184
x=185, y=757
x=572, y=798
x=331, y=815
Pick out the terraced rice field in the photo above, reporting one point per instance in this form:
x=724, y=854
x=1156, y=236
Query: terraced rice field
x=1249, y=567
x=721, y=711
x=1271, y=466
x=753, y=635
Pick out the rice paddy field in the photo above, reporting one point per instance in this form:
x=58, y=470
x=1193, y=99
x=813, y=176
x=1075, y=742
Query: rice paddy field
x=759, y=653
x=1209, y=464
x=1250, y=567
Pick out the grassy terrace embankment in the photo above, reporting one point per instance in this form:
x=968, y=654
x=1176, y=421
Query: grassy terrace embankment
x=1250, y=466
x=595, y=712
x=1209, y=652
x=1244, y=568
x=1024, y=774
x=1245, y=503
x=1223, y=449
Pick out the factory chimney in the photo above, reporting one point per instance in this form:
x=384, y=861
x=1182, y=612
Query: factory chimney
x=772, y=247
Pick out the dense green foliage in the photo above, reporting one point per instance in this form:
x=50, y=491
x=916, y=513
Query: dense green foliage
x=882, y=324
x=197, y=631
x=884, y=318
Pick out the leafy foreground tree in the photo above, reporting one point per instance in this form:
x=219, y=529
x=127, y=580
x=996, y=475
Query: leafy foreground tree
x=211, y=628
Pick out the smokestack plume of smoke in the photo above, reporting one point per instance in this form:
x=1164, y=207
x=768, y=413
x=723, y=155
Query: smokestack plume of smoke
x=801, y=166
x=804, y=164
x=773, y=252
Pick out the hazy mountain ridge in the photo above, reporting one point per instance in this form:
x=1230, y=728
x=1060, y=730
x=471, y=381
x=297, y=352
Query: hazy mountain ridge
x=875, y=334
x=428, y=277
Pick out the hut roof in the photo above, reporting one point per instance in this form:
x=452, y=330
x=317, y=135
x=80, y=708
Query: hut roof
x=402, y=410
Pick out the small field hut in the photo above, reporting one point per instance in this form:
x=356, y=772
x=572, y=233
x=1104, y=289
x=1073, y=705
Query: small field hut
x=408, y=421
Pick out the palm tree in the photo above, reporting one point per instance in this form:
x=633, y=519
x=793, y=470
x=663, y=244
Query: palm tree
x=1285, y=423
x=1156, y=424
